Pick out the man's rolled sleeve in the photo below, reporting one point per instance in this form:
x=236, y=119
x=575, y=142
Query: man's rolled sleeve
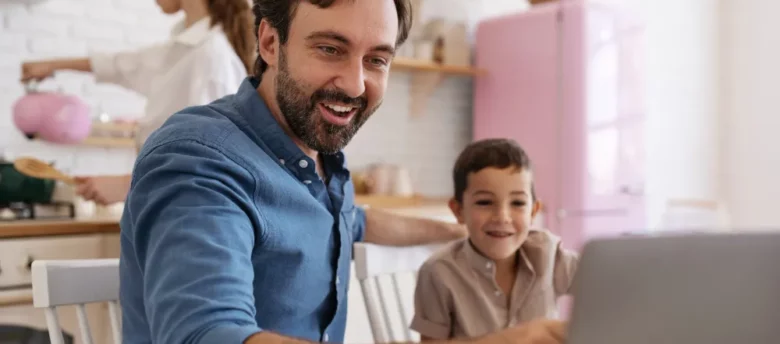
x=432, y=313
x=193, y=236
x=359, y=225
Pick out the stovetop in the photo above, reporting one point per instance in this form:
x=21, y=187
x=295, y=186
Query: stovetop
x=37, y=211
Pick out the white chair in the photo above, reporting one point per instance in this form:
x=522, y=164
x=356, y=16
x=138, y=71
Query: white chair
x=387, y=277
x=76, y=282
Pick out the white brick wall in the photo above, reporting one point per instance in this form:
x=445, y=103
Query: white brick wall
x=68, y=28
x=427, y=145
x=31, y=30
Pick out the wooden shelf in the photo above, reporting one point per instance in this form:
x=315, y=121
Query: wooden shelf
x=108, y=142
x=120, y=129
x=411, y=64
x=426, y=77
x=105, y=142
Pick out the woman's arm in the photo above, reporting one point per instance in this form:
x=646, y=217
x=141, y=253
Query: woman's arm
x=132, y=69
x=40, y=70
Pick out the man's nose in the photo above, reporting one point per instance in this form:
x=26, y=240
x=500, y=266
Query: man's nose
x=352, y=80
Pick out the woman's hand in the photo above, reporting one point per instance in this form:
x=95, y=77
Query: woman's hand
x=40, y=70
x=103, y=190
x=37, y=70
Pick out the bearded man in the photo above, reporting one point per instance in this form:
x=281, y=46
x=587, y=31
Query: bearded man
x=240, y=220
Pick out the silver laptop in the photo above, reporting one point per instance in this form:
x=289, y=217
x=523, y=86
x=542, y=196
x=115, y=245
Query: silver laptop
x=692, y=289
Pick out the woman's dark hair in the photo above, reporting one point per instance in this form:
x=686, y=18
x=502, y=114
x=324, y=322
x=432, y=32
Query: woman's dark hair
x=235, y=16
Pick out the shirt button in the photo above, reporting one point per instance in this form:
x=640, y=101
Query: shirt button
x=498, y=293
x=307, y=181
x=338, y=280
x=281, y=161
x=488, y=265
x=303, y=163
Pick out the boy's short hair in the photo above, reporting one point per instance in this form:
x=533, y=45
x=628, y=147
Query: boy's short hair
x=497, y=153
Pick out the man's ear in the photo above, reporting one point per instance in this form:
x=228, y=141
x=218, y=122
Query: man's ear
x=268, y=43
x=457, y=210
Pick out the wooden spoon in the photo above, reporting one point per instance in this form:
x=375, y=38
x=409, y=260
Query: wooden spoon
x=38, y=169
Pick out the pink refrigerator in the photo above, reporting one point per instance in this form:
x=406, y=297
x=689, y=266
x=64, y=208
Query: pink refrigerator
x=564, y=79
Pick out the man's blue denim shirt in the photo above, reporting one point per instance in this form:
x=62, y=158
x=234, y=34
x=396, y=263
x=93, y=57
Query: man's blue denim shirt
x=228, y=230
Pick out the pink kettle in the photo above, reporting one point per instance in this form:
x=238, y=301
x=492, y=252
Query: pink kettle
x=52, y=116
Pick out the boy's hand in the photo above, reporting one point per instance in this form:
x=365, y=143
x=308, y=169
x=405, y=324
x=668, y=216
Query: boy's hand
x=533, y=332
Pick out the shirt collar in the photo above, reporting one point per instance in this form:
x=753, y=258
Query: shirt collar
x=485, y=266
x=256, y=115
x=196, y=33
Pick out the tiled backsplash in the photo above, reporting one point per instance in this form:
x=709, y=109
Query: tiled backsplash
x=427, y=145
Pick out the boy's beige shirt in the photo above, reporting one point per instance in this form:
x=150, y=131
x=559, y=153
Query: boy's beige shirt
x=457, y=295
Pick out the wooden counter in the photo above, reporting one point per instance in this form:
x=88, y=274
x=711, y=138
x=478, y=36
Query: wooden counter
x=391, y=202
x=36, y=228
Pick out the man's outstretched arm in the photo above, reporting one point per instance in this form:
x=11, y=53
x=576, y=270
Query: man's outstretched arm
x=385, y=228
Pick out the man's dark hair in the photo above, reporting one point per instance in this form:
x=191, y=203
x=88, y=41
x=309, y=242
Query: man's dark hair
x=496, y=153
x=279, y=13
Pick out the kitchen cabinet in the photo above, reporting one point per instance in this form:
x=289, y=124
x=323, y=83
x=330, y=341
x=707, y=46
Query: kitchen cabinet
x=567, y=85
x=16, y=256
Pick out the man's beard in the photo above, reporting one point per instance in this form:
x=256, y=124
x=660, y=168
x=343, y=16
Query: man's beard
x=302, y=113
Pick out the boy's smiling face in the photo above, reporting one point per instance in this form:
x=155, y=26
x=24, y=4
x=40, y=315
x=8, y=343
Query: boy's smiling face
x=498, y=209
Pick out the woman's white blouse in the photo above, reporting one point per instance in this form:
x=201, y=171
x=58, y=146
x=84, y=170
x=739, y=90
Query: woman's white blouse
x=195, y=67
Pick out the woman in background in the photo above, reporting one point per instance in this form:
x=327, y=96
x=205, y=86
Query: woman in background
x=209, y=54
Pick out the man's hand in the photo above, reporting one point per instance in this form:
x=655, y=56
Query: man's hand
x=533, y=332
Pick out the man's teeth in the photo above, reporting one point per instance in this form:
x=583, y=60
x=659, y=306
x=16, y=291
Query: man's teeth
x=339, y=108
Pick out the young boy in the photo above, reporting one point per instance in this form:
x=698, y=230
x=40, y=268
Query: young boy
x=504, y=273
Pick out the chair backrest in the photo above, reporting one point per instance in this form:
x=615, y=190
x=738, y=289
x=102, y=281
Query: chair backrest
x=76, y=282
x=387, y=277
